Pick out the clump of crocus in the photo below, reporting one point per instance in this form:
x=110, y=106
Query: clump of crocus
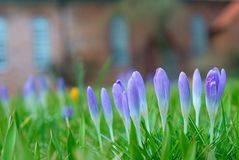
x=134, y=106
x=126, y=114
x=139, y=82
x=74, y=93
x=43, y=88
x=61, y=90
x=184, y=94
x=214, y=87
x=107, y=108
x=29, y=92
x=67, y=113
x=4, y=98
x=94, y=111
x=162, y=90
x=197, y=93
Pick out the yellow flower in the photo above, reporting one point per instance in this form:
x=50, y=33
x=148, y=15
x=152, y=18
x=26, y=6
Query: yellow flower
x=74, y=93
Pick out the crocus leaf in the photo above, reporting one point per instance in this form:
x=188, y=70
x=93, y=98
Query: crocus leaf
x=9, y=143
x=133, y=145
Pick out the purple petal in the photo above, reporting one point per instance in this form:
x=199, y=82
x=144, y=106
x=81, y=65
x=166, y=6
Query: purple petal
x=133, y=98
x=67, y=112
x=106, y=104
x=184, y=90
x=197, y=88
x=211, y=87
x=61, y=84
x=117, y=91
x=222, y=83
x=162, y=87
x=125, y=107
x=4, y=93
x=42, y=83
x=92, y=103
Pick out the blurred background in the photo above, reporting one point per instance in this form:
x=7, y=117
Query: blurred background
x=96, y=41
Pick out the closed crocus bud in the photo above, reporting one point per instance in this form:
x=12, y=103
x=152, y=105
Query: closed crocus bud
x=142, y=97
x=162, y=90
x=67, y=112
x=184, y=94
x=43, y=91
x=107, y=108
x=134, y=106
x=61, y=90
x=214, y=88
x=117, y=91
x=5, y=98
x=126, y=114
x=61, y=84
x=94, y=111
x=42, y=84
x=4, y=95
x=197, y=93
x=29, y=94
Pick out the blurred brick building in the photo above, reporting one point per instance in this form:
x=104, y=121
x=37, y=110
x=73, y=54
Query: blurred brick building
x=37, y=34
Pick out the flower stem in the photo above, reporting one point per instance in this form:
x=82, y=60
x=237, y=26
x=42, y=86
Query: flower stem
x=111, y=133
x=211, y=131
x=185, y=129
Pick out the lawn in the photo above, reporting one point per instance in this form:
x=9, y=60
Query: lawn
x=43, y=133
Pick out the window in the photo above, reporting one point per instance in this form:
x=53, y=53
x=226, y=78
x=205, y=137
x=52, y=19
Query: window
x=41, y=43
x=199, y=35
x=119, y=41
x=3, y=43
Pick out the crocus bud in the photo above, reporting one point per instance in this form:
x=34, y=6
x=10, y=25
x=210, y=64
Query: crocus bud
x=94, y=111
x=134, y=106
x=67, y=112
x=162, y=90
x=4, y=95
x=184, y=94
x=107, y=108
x=214, y=88
x=117, y=91
x=42, y=84
x=126, y=114
x=5, y=98
x=30, y=94
x=197, y=93
x=60, y=84
x=142, y=97
x=43, y=91
x=61, y=90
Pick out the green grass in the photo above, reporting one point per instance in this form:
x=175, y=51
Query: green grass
x=23, y=136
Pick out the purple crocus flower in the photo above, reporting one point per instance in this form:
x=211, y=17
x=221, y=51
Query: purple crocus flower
x=197, y=93
x=126, y=114
x=61, y=84
x=117, y=91
x=29, y=92
x=43, y=91
x=214, y=87
x=162, y=90
x=94, y=111
x=42, y=84
x=29, y=86
x=107, y=108
x=67, y=112
x=142, y=97
x=61, y=90
x=4, y=94
x=134, y=106
x=184, y=94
